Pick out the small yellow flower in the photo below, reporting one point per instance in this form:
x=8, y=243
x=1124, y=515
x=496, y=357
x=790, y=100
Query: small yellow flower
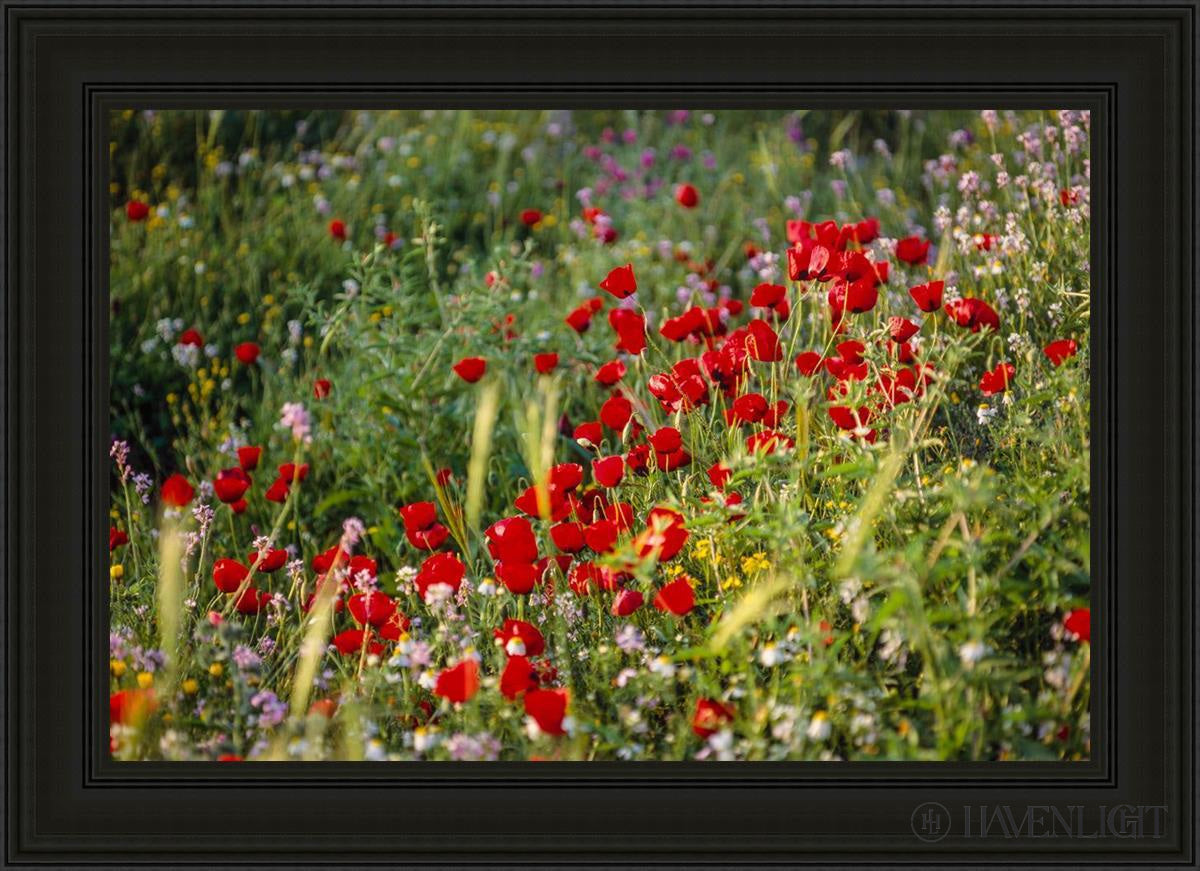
x=117, y=667
x=269, y=299
x=243, y=318
x=216, y=669
x=116, y=572
x=732, y=582
x=190, y=686
x=145, y=680
x=755, y=563
x=413, y=162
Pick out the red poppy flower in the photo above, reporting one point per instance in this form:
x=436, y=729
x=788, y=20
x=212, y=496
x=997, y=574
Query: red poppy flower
x=637, y=460
x=135, y=210
x=748, y=408
x=664, y=536
x=290, y=472
x=809, y=362
x=620, y=513
x=666, y=440
x=1079, y=624
x=589, y=434
x=866, y=231
x=459, y=683
x=277, y=492
x=324, y=561
x=912, y=250
x=176, y=491
x=529, y=217
x=116, y=538
x=548, y=708
x=470, y=369
x=620, y=282
x=854, y=297
x=616, y=412
x=248, y=457
x=395, y=626
x=626, y=602
x=580, y=318
x=901, y=329
x=768, y=441
x=630, y=328
x=427, y=539
x=545, y=363
x=719, y=474
x=687, y=196
x=512, y=540
x=247, y=352
x=272, y=560
x=710, y=716
x=928, y=297
x=997, y=380
x=773, y=297
x=363, y=563
x=608, y=471
x=903, y=351
x=418, y=515
x=567, y=476
x=610, y=373
x=337, y=229
x=350, y=643
x=520, y=577
x=372, y=608
x=439, y=568
x=568, y=537
x=763, y=343
x=973, y=313
x=230, y=485
x=669, y=462
x=519, y=676
x=191, y=337
x=807, y=261
x=680, y=327
x=848, y=418
x=1059, y=350
x=529, y=636
x=252, y=600
x=321, y=388
x=677, y=597
x=228, y=574
x=131, y=707
x=601, y=536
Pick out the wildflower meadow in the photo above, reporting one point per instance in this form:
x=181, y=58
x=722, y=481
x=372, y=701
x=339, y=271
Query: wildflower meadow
x=599, y=435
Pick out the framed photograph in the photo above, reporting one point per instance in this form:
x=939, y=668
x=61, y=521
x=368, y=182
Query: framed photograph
x=452, y=434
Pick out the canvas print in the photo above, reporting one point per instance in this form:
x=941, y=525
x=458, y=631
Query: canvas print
x=599, y=435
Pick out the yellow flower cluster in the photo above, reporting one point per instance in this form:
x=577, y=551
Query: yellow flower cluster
x=755, y=563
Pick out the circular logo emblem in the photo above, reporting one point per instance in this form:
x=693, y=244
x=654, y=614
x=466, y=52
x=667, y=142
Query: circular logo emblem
x=931, y=822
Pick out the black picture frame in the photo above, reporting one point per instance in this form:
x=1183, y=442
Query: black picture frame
x=68, y=63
